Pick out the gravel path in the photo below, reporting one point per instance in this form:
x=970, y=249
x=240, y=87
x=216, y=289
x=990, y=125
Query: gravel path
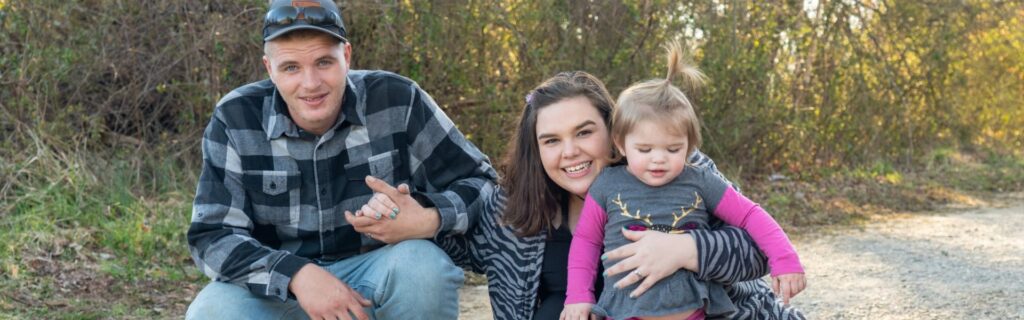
x=967, y=264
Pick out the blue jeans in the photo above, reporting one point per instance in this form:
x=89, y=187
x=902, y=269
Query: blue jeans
x=413, y=279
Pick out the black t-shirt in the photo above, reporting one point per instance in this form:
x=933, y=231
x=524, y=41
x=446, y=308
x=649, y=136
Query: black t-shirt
x=554, y=273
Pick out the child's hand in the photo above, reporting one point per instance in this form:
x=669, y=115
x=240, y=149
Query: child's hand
x=576, y=311
x=788, y=285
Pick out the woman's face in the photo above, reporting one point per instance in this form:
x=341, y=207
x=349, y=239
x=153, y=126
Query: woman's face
x=574, y=143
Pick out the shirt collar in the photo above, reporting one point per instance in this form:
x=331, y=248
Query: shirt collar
x=353, y=110
x=276, y=121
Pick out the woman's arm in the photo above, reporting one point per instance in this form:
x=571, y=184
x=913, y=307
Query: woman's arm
x=739, y=211
x=510, y=262
x=727, y=255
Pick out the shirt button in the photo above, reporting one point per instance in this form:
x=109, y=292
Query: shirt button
x=323, y=192
x=273, y=185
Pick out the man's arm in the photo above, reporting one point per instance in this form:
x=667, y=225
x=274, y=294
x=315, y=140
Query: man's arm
x=447, y=171
x=219, y=236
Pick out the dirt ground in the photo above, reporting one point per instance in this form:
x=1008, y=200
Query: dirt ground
x=957, y=263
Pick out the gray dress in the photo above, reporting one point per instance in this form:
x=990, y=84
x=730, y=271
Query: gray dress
x=682, y=204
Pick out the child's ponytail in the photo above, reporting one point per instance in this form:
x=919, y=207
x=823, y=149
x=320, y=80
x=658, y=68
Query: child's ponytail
x=659, y=100
x=680, y=66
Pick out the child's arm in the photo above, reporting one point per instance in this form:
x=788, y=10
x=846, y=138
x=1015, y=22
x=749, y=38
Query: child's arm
x=737, y=210
x=584, y=253
x=787, y=272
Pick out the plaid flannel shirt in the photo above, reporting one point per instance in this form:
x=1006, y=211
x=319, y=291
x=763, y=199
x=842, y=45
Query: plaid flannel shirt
x=272, y=197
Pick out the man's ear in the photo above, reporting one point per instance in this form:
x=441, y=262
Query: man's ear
x=266, y=64
x=347, y=48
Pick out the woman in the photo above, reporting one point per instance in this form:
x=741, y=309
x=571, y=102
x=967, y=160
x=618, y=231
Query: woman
x=561, y=144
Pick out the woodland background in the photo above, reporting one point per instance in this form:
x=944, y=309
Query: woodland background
x=825, y=111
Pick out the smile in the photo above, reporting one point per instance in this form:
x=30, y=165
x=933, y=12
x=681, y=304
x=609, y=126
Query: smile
x=314, y=99
x=579, y=169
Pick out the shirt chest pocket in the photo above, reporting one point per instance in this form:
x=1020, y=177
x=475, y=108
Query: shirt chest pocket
x=274, y=196
x=382, y=166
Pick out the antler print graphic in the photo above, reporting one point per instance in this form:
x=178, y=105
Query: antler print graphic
x=684, y=212
x=625, y=210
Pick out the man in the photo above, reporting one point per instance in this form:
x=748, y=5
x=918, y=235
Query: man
x=296, y=198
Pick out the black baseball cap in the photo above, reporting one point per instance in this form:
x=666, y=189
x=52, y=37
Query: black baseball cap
x=289, y=15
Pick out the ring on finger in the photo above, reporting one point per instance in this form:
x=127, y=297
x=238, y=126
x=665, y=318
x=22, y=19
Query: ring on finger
x=376, y=215
x=638, y=274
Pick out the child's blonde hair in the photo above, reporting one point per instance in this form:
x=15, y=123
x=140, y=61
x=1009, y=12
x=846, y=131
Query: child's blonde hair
x=659, y=100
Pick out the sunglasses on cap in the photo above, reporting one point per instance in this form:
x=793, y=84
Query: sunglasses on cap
x=316, y=16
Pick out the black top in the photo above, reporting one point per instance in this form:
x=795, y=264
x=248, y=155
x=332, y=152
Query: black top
x=554, y=273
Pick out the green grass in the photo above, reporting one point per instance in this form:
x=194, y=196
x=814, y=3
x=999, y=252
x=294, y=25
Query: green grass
x=98, y=239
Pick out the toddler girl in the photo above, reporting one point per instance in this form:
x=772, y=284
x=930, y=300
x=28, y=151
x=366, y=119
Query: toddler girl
x=656, y=128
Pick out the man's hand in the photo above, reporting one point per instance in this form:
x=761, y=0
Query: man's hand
x=788, y=285
x=651, y=257
x=392, y=215
x=577, y=311
x=324, y=296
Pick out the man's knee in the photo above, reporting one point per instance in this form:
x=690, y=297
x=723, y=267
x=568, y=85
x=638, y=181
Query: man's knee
x=421, y=257
x=210, y=304
x=202, y=309
x=422, y=277
x=421, y=264
x=220, y=300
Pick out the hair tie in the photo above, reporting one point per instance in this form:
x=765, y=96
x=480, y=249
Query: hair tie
x=529, y=98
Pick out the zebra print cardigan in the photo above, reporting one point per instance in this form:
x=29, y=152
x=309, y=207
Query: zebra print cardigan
x=512, y=264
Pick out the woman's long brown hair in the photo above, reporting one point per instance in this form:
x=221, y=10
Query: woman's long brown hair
x=533, y=198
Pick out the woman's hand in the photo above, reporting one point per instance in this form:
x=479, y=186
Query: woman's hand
x=651, y=257
x=392, y=215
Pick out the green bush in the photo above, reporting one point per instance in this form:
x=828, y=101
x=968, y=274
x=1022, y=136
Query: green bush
x=793, y=87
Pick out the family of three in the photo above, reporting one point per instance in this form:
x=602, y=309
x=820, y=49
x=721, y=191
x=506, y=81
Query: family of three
x=330, y=193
